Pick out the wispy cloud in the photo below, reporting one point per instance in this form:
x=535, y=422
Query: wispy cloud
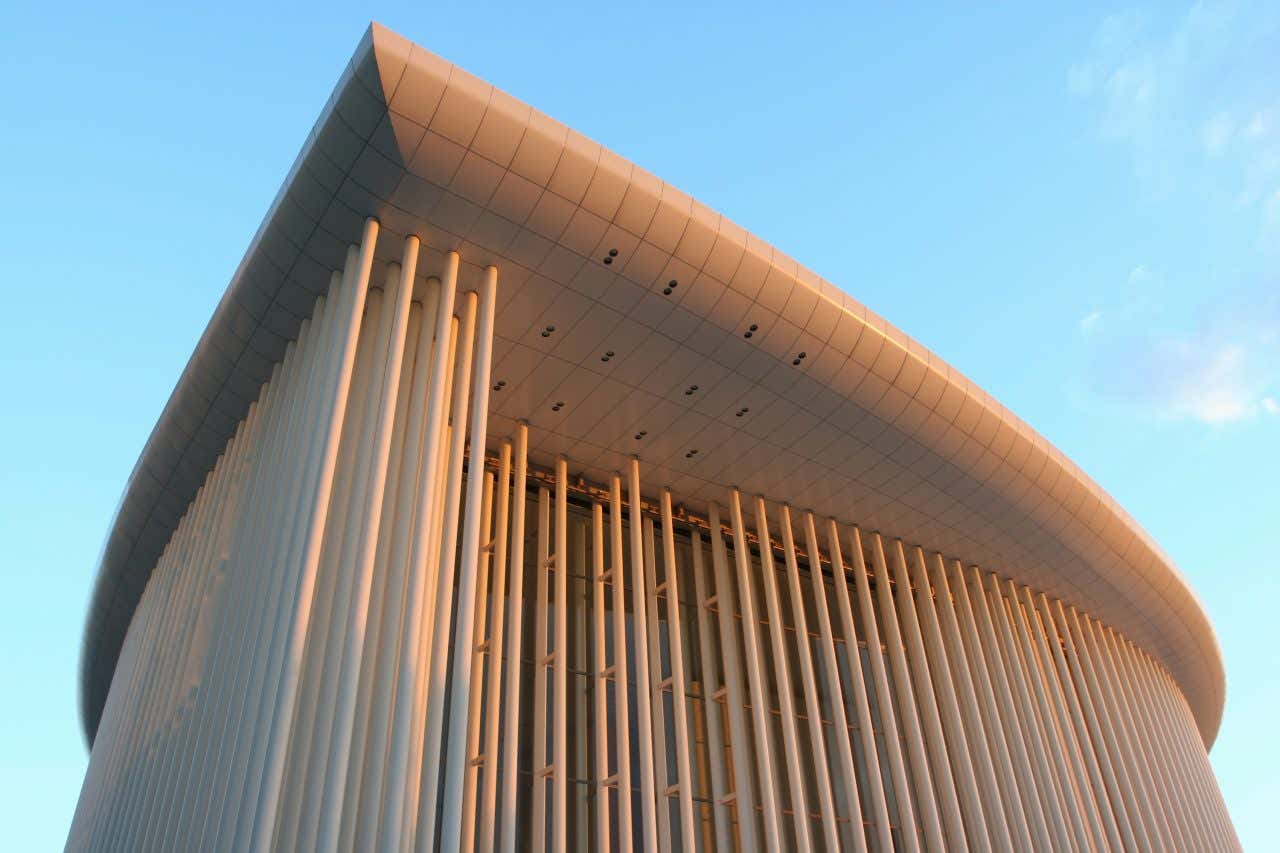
x=1194, y=99
x=1222, y=367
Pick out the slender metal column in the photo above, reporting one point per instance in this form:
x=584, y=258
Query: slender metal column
x=1202, y=798
x=650, y=635
x=946, y=732
x=908, y=706
x=990, y=659
x=680, y=706
x=1075, y=800
x=866, y=729
x=981, y=702
x=813, y=706
x=396, y=318
x=1108, y=732
x=880, y=678
x=307, y=753
x=1179, y=780
x=1056, y=803
x=368, y=763
x=644, y=711
x=270, y=542
x=1057, y=714
x=425, y=830
x=231, y=635
x=1158, y=775
x=515, y=594
x=1139, y=775
x=710, y=676
x=460, y=697
x=475, y=698
x=782, y=674
x=410, y=670
x=759, y=689
x=488, y=797
x=541, y=766
x=600, y=676
x=1069, y=694
x=621, y=714
x=267, y=800
x=560, y=737
x=1088, y=726
x=735, y=699
x=959, y=704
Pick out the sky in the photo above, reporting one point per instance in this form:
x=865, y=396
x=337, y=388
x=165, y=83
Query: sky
x=1078, y=208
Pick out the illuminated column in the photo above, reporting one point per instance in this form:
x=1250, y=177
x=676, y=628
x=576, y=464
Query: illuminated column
x=735, y=697
x=782, y=675
x=514, y=632
x=908, y=705
x=755, y=678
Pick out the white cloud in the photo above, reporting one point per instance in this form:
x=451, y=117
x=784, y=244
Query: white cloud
x=1221, y=367
x=1192, y=98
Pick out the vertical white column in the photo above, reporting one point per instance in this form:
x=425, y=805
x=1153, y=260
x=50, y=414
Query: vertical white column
x=979, y=623
x=475, y=700
x=622, y=715
x=680, y=706
x=560, y=737
x=1087, y=724
x=879, y=814
x=467, y=580
x=353, y=638
x=944, y=634
x=410, y=670
x=307, y=753
x=541, y=765
x=1042, y=711
x=926, y=801
x=1109, y=734
x=515, y=597
x=1057, y=711
x=442, y=587
x=782, y=675
x=269, y=542
x=1170, y=819
x=1068, y=692
x=710, y=678
x=813, y=706
x=1152, y=818
x=1179, y=781
x=368, y=763
x=953, y=746
x=488, y=797
x=960, y=627
x=650, y=636
x=1199, y=797
x=755, y=678
x=1056, y=805
x=308, y=540
x=644, y=711
x=735, y=698
x=880, y=678
x=600, y=675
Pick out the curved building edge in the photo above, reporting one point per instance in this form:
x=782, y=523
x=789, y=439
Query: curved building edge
x=1034, y=515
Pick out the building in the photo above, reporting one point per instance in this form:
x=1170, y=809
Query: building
x=744, y=565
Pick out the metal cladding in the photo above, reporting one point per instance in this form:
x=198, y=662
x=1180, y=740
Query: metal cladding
x=429, y=591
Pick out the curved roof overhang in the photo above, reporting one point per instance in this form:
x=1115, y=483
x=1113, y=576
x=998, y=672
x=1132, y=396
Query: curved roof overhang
x=871, y=427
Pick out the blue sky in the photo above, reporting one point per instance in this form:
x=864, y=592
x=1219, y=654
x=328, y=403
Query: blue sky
x=1080, y=209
